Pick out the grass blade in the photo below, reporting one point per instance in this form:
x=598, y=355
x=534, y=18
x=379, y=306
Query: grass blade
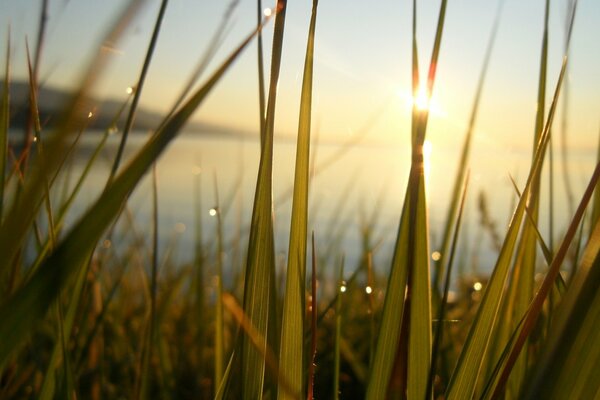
x=291, y=354
x=4, y=124
x=465, y=152
x=138, y=89
x=21, y=216
x=340, y=289
x=219, y=332
x=53, y=275
x=437, y=340
x=313, y=324
x=259, y=284
x=463, y=381
x=569, y=366
x=535, y=307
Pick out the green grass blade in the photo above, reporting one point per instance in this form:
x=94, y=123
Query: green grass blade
x=570, y=364
x=465, y=152
x=340, y=288
x=261, y=73
x=220, y=392
x=596, y=201
x=259, y=284
x=391, y=318
x=536, y=305
x=219, y=332
x=291, y=353
x=4, y=124
x=148, y=350
x=522, y=282
x=53, y=275
x=313, y=324
x=437, y=340
x=22, y=214
x=410, y=265
x=138, y=88
x=463, y=381
x=48, y=385
x=419, y=283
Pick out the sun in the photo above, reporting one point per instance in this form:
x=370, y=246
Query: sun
x=421, y=101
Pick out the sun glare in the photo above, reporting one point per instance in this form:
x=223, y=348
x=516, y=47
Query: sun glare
x=421, y=101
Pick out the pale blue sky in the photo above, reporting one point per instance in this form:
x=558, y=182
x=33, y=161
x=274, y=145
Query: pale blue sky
x=362, y=62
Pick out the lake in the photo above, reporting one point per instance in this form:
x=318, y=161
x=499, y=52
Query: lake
x=352, y=186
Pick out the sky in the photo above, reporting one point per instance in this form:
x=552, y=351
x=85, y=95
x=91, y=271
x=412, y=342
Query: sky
x=362, y=63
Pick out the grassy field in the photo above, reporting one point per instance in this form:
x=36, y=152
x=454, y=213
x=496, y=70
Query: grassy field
x=80, y=319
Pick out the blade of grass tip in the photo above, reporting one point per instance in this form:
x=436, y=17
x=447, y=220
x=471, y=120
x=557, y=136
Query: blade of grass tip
x=390, y=342
x=38, y=139
x=29, y=138
x=259, y=284
x=261, y=73
x=21, y=216
x=437, y=340
x=34, y=298
x=463, y=380
x=340, y=289
x=313, y=324
x=572, y=351
x=4, y=124
x=144, y=393
x=419, y=283
x=138, y=89
x=564, y=123
x=220, y=393
x=66, y=205
x=292, y=352
x=560, y=283
x=258, y=342
x=465, y=152
x=522, y=285
x=536, y=305
x=219, y=331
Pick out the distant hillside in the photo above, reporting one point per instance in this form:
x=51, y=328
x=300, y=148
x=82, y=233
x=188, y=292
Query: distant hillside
x=51, y=102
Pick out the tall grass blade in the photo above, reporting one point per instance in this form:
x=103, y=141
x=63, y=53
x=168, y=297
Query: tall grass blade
x=313, y=325
x=410, y=266
x=465, y=152
x=463, y=380
x=261, y=73
x=148, y=352
x=437, y=339
x=536, y=305
x=22, y=213
x=138, y=89
x=291, y=353
x=340, y=288
x=219, y=331
x=4, y=124
x=48, y=385
x=570, y=363
x=258, y=342
x=596, y=202
x=54, y=274
x=259, y=284
x=522, y=280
